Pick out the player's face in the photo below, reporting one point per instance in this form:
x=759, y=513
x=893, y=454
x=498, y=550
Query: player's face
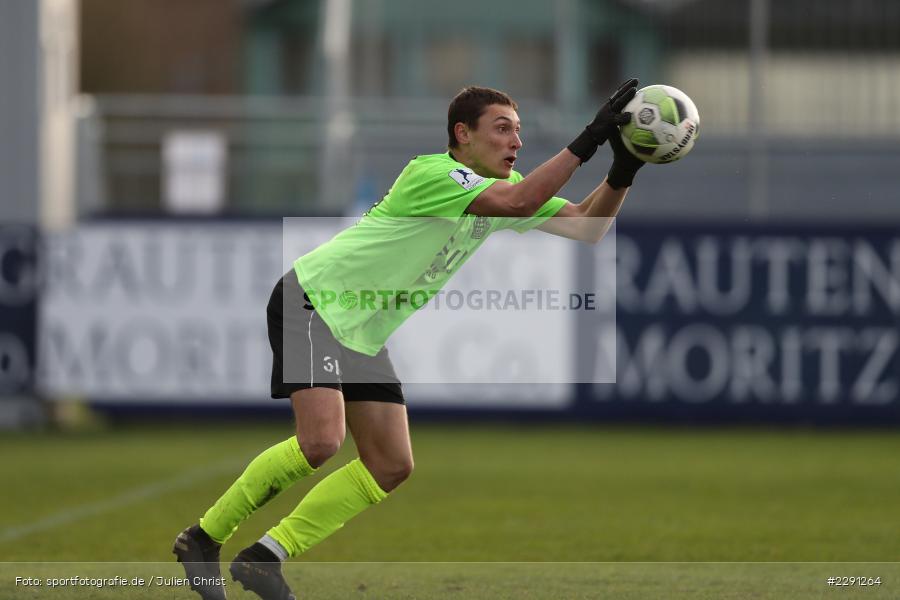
x=495, y=144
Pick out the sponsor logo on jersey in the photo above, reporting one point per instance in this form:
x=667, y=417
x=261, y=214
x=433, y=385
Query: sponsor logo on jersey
x=466, y=178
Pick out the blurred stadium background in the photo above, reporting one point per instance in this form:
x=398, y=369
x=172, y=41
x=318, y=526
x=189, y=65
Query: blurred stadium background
x=151, y=148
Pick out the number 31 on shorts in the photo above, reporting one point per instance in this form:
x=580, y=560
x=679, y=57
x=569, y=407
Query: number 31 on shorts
x=331, y=365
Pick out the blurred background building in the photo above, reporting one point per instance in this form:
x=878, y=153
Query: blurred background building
x=267, y=108
x=283, y=85
x=798, y=100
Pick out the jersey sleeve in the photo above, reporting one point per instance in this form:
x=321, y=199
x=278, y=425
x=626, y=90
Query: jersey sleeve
x=523, y=224
x=445, y=190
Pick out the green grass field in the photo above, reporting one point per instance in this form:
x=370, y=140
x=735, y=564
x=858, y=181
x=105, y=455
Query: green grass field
x=491, y=512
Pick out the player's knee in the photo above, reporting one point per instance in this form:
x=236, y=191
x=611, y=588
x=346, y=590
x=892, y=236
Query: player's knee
x=404, y=470
x=318, y=450
x=393, y=473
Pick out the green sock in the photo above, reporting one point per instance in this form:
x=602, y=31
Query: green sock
x=334, y=501
x=270, y=473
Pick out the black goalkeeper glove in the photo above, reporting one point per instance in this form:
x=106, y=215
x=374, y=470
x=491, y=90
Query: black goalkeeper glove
x=605, y=123
x=625, y=164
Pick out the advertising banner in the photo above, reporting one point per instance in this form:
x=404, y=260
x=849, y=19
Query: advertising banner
x=156, y=312
x=175, y=313
x=697, y=323
x=730, y=322
x=18, y=308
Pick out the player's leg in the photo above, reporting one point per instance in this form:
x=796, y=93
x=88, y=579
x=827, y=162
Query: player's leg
x=297, y=372
x=381, y=432
x=337, y=498
x=300, y=341
x=319, y=415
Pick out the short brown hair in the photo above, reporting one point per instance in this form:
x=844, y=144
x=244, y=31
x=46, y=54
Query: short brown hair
x=468, y=106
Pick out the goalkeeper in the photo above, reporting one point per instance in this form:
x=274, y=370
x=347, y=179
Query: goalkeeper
x=331, y=361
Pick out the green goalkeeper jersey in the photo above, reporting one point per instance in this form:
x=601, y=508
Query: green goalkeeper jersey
x=368, y=279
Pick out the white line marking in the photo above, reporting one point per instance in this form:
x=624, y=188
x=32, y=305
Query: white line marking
x=131, y=496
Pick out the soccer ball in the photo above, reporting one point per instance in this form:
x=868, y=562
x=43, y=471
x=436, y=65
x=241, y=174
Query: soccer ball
x=664, y=124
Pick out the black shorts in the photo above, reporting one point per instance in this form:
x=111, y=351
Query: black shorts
x=306, y=354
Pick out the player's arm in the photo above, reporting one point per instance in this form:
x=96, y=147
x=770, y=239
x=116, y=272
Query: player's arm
x=523, y=199
x=589, y=220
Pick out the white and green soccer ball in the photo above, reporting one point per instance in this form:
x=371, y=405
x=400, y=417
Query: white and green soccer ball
x=664, y=124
